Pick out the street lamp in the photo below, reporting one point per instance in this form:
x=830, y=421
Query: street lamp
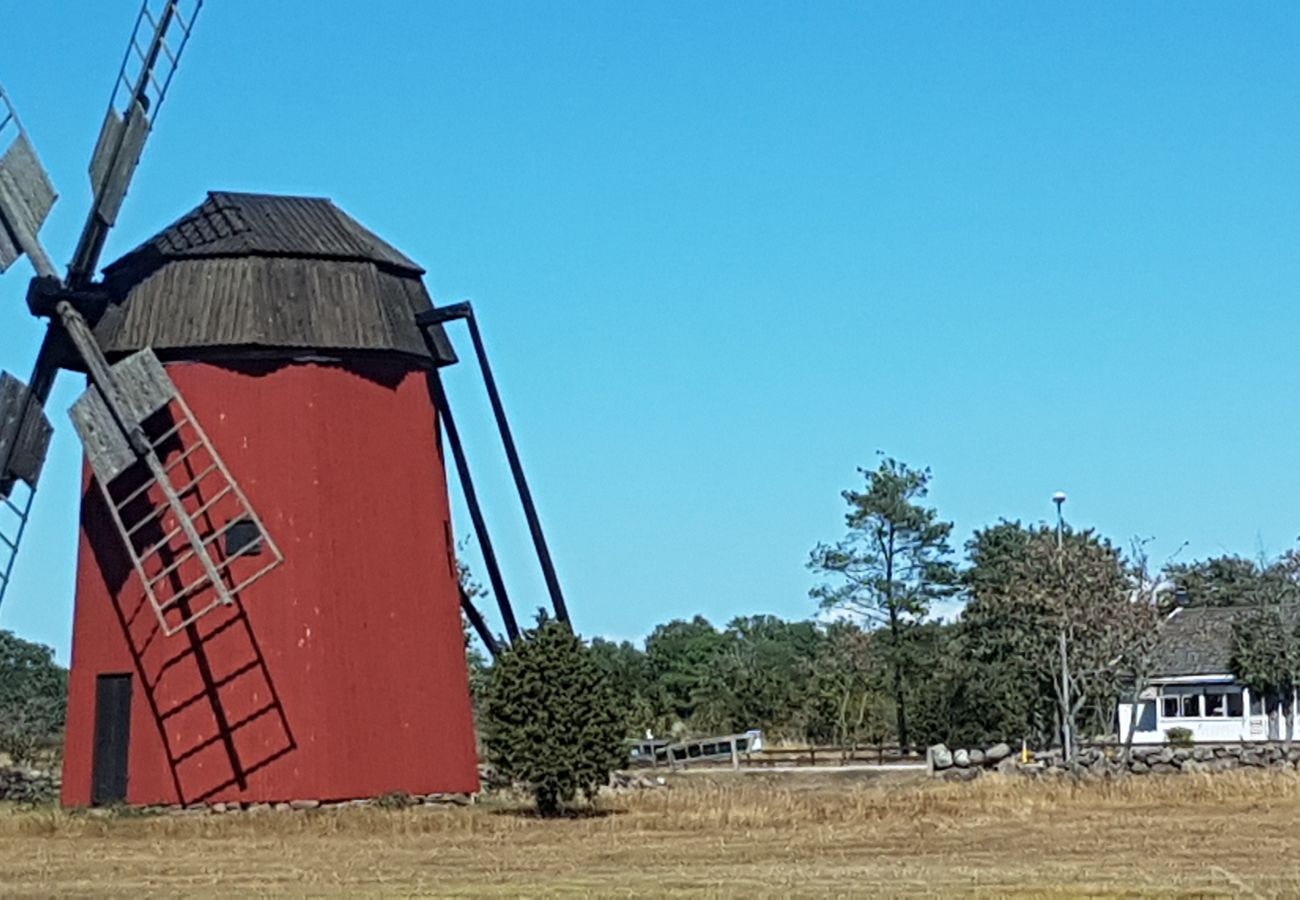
x=1067, y=739
x=1059, y=499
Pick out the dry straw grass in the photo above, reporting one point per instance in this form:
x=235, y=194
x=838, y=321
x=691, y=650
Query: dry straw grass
x=759, y=835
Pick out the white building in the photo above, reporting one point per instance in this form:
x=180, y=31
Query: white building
x=1194, y=687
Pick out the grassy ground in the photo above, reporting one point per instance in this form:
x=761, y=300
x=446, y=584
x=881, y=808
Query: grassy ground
x=722, y=835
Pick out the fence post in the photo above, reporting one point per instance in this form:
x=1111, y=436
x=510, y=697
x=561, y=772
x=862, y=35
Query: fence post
x=735, y=754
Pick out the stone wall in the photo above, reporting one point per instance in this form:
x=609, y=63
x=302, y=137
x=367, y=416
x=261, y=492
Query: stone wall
x=1108, y=761
x=28, y=785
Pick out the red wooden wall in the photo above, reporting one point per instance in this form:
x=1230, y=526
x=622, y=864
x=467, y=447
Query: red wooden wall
x=339, y=675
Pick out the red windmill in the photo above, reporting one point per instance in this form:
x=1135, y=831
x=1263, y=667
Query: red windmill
x=279, y=620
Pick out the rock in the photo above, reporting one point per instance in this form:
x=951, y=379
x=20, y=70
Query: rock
x=962, y=774
x=281, y=807
x=1182, y=754
x=304, y=804
x=977, y=757
x=1163, y=769
x=940, y=757
x=1193, y=766
x=218, y=807
x=1138, y=767
x=1007, y=765
x=960, y=758
x=997, y=753
x=1202, y=754
x=1165, y=756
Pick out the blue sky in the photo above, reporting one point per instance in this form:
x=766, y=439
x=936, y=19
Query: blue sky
x=723, y=254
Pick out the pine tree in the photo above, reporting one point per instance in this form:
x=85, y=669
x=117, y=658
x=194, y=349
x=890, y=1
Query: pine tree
x=553, y=722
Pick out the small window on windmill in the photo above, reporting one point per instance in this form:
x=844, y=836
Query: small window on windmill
x=243, y=538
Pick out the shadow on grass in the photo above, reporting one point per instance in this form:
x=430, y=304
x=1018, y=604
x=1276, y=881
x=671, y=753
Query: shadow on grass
x=585, y=812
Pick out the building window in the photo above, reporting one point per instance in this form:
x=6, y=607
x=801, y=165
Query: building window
x=1235, y=705
x=1215, y=703
x=1191, y=706
x=1257, y=706
x=1169, y=707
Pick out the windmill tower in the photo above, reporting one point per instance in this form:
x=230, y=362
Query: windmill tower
x=277, y=619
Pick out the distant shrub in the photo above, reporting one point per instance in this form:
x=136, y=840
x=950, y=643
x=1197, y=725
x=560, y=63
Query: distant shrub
x=33, y=697
x=1179, y=736
x=552, y=720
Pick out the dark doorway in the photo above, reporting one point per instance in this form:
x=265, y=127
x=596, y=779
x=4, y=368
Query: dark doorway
x=112, y=739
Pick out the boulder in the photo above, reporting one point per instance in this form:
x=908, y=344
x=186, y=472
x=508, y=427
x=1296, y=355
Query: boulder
x=977, y=757
x=960, y=758
x=1007, y=765
x=1138, y=767
x=997, y=753
x=1165, y=756
x=940, y=757
x=1161, y=768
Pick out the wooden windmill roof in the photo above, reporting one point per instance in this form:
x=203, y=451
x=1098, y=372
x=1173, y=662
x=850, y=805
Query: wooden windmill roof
x=261, y=274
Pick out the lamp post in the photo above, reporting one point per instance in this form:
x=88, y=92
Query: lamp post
x=1059, y=499
x=1067, y=743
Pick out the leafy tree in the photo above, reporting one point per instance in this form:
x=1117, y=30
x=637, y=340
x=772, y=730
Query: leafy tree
x=1235, y=580
x=33, y=697
x=1266, y=659
x=846, y=701
x=552, y=719
x=758, y=678
x=627, y=672
x=679, y=655
x=891, y=565
x=1025, y=593
x=1005, y=634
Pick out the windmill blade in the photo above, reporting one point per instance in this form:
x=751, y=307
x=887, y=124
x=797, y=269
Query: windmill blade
x=24, y=443
x=190, y=533
x=26, y=197
x=161, y=32
x=26, y=194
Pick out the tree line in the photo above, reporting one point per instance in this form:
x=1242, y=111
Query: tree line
x=1045, y=628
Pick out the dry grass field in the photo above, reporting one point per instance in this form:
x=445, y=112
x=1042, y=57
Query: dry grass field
x=711, y=835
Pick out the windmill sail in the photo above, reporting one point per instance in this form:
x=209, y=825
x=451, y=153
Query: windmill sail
x=152, y=56
x=24, y=442
x=192, y=536
x=190, y=533
x=26, y=194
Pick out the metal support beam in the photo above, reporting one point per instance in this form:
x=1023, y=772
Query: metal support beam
x=464, y=310
x=475, y=510
x=479, y=624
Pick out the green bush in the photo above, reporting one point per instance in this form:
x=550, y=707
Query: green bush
x=1179, y=737
x=552, y=720
x=33, y=697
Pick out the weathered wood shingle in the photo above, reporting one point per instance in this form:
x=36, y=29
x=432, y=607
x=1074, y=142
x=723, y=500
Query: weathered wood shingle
x=258, y=273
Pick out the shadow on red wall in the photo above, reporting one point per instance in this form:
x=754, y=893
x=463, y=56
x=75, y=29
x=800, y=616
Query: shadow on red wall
x=209, y=690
